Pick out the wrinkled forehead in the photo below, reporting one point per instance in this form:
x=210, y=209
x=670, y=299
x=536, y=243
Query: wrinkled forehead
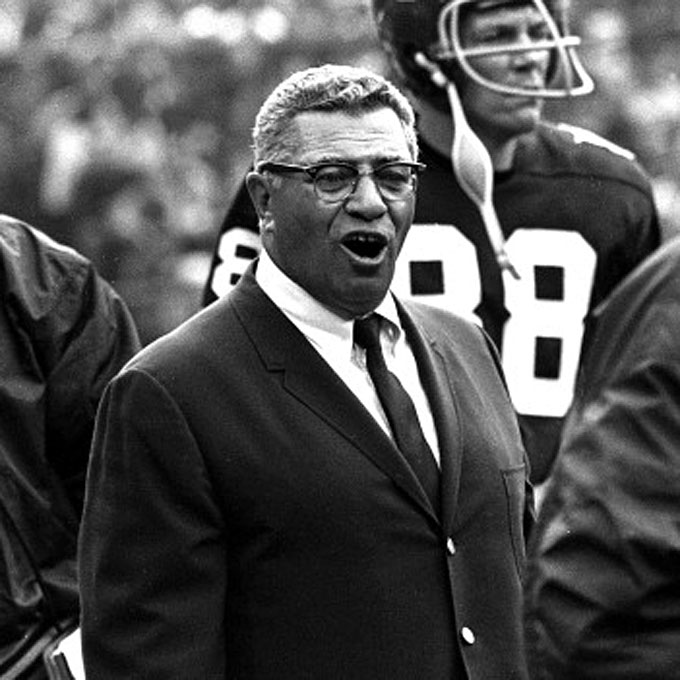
x=481, y=6
x=495, y=8
x=482, y=13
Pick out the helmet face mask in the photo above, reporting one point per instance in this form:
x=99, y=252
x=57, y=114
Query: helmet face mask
x=436, y=29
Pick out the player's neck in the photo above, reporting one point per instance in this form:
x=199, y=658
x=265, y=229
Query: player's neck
x=435, y=128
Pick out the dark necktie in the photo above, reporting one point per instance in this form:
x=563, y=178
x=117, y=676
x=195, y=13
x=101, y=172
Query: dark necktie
x=399, y=409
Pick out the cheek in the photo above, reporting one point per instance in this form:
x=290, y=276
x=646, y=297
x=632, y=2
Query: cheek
x=301, y=232
x=289, y=216
x=402, y=218
x=479, y=102
x=492, y=68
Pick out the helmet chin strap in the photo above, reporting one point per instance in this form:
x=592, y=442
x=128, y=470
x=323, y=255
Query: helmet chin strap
x=471, y=165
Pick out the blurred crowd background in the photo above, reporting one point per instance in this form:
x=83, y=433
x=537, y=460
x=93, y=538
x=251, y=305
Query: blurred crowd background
x=124, y=124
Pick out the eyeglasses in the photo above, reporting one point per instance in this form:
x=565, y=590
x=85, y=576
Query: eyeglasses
x=334, y=182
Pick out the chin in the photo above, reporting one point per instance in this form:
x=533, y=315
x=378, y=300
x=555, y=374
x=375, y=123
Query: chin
x=365, y=301
x=521, y=122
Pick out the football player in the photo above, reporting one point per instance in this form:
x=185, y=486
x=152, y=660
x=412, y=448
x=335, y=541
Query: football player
x=521, y=224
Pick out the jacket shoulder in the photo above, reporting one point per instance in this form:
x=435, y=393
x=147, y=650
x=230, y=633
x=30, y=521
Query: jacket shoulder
x=441, y=323
x=46, y=287
x=212, y=337
x=35, y=270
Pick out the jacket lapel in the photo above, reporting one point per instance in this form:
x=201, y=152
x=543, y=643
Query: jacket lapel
x=311, y=381
x=434, y=374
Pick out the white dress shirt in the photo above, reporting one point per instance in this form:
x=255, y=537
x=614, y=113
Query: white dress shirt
x=331, y=337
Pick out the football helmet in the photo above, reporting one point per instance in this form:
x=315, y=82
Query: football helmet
x=409, y=28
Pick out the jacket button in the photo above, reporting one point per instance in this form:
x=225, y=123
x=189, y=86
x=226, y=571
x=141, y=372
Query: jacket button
x=450, y=547
x=467, y=635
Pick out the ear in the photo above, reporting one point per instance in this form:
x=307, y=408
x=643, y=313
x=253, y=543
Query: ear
x=260, y=195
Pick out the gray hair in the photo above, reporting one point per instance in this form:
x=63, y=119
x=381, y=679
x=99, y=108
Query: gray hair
x=329, y=88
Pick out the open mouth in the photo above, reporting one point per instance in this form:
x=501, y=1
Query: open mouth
x=365, y=245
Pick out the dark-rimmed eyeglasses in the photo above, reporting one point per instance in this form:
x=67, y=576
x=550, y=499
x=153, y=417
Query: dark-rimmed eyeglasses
x=334, y=182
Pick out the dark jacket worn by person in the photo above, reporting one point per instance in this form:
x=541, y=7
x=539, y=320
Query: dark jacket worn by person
x=257, y=522
x=63, y=335
x=603, y=595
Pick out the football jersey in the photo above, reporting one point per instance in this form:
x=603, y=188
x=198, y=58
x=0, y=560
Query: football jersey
x=577, y=214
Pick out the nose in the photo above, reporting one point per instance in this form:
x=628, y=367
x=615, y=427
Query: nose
x=531, y=57
x=365, y=200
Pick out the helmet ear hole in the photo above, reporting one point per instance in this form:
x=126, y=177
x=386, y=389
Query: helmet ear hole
x=405, y=28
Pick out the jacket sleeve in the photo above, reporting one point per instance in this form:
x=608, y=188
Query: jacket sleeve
x=149, y=503
x=603, y=595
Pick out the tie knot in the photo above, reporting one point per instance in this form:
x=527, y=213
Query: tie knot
x=367, y=331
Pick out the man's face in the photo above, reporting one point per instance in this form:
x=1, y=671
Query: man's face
x=342, y=253
x=494, y=112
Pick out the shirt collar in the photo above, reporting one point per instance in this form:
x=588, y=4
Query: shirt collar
x=387, y=309
x=316, y=321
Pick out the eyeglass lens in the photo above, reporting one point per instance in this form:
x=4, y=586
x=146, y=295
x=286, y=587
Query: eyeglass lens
x=336, y=182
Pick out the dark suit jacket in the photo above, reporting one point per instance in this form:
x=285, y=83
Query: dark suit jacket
x=247, y=518
x=603, y=587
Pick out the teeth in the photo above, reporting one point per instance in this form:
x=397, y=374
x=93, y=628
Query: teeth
x=365, y=245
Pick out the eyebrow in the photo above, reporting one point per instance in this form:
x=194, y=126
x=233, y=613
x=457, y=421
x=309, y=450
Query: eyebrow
x=500, y=26
x=373, y=162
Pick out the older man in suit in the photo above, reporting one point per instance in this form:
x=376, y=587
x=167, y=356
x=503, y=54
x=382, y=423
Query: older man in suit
x=256, y=506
